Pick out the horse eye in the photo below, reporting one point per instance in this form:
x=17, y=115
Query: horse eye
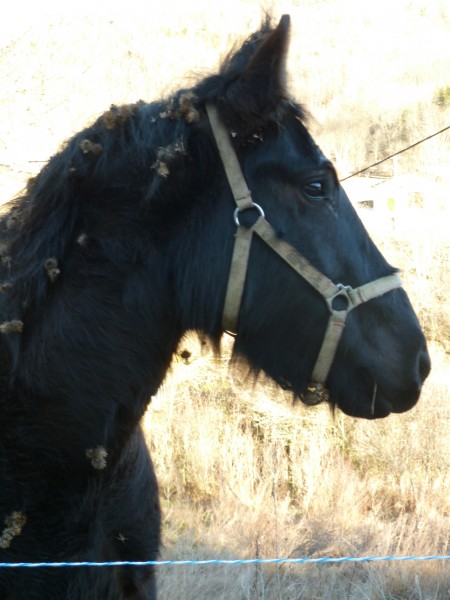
x=315, y=190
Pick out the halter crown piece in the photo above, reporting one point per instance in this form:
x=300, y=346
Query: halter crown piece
x=316, y=391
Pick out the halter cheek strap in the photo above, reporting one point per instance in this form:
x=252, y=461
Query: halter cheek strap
x=329, y=291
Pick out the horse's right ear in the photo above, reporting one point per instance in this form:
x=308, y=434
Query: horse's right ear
x=261, y=82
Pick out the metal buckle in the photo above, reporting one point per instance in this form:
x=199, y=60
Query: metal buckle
x=343, y=292
x=252, y=205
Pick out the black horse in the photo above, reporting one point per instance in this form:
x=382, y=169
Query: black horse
x=121, y=244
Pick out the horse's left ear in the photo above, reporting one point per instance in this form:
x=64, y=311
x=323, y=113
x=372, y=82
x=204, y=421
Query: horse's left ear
x=262, y=82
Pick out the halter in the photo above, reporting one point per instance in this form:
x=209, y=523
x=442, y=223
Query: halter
x=316, y=391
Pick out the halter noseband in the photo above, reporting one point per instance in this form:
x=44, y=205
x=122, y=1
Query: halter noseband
x=316, y=391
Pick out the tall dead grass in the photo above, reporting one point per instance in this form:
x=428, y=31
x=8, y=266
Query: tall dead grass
x=368, y=73
x=244, y=474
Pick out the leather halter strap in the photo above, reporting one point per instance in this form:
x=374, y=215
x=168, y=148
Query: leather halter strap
x=325, y=287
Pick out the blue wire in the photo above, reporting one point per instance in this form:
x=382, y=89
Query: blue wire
x=250, y=561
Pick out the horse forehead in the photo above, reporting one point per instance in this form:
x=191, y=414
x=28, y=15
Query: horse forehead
x=292, y=145
x=301, y=141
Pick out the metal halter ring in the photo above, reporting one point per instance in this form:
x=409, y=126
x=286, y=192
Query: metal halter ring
x=252, y=205
x=342, y=293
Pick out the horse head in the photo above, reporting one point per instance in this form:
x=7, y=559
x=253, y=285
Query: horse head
x=338, y=327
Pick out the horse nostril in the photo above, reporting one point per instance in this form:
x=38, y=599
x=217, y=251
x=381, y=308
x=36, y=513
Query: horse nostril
x=424, y=365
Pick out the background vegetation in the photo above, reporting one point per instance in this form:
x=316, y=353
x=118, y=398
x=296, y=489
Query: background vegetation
x=242, y=472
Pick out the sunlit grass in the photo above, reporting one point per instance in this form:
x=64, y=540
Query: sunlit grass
x=247, y=475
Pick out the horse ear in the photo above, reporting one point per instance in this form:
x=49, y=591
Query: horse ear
x=261, y=83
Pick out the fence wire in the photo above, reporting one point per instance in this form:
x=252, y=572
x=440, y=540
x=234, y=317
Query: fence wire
x=375, y=164
x=210, y=562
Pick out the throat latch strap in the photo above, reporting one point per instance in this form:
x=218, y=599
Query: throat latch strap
x=349, y=297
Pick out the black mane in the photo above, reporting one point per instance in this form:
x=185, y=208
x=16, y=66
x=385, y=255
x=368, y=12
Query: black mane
x=122, y=164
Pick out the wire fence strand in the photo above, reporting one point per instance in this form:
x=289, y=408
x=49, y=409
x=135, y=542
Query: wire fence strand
x=208, y=562
x=375, y=164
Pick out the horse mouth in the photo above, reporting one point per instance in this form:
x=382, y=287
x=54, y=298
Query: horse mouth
x=375, y=402
x=404, y=400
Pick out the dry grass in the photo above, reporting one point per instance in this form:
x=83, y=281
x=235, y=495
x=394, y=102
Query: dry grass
x=247, y=475
x=368, y=73
x=242, y=473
